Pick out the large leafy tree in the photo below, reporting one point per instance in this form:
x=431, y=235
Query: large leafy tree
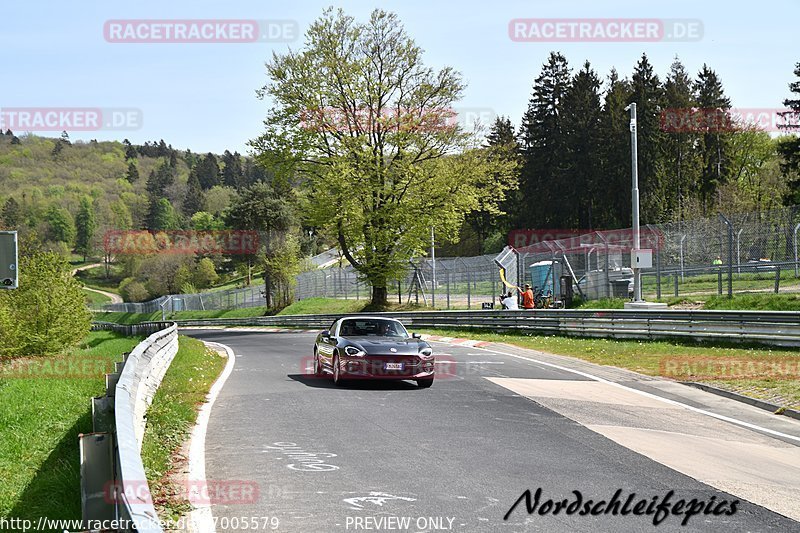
x=47, y=313
x=496, y=204
x=60, y=225
x=366, y=125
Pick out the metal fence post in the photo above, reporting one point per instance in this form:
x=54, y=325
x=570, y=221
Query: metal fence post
x=447, y=281
x=777, y=279
x=469, y=292
x=658, y=273
x=730, y=254
x=676, y=284
x=719, y=281
x=795, y=249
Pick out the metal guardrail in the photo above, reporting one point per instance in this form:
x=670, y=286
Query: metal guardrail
x=779, y=328
x=113, y=481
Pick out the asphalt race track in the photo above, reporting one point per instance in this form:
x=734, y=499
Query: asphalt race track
x=387, y=456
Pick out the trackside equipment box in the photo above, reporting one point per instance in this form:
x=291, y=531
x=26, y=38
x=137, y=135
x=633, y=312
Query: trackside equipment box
x=9, y=276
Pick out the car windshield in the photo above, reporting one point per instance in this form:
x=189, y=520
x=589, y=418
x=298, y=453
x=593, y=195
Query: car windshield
x=372, y=327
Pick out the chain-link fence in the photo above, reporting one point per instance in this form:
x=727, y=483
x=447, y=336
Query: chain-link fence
x=691, y=258
x=252, y=296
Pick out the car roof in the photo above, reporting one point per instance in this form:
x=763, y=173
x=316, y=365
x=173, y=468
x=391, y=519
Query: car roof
x=369, y=318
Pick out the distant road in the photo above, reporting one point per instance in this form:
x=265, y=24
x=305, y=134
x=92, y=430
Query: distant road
x=115, y=298
x=457, y=456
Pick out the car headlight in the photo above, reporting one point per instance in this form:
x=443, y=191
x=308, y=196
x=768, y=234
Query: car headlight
x=352, y=351
x=426, y=352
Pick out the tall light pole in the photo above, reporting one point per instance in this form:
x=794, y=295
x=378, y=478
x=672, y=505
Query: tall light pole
x=637, y=274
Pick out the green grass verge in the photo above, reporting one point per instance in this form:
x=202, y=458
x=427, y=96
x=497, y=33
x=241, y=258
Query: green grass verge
x=762, y=302
x=170, y=420
x=324, y=306
x=654, y=357
x=95, y=298
x=40, y=419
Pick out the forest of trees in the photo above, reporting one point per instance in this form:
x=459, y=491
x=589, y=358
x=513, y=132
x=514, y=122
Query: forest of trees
x=66, y=196
x=570, y=154
x=574, y=145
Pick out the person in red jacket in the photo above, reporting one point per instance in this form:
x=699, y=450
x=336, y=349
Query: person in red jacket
x=527, y=297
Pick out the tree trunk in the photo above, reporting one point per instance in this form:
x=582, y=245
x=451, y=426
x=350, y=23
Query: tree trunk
x=379, y=295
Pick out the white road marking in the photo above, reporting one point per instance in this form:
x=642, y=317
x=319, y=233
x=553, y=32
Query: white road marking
x=375, y=498
x=200, y=518
x=652, y=396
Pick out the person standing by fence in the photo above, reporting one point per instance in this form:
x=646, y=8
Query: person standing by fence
x=527, y=297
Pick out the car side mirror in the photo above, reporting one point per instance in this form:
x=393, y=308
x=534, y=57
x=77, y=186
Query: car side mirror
x=326, y=334
x=416, y=336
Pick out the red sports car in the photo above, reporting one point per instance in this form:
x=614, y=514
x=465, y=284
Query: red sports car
x=373, y=348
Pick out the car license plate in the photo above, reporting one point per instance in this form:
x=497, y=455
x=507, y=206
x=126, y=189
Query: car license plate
x=393, y=366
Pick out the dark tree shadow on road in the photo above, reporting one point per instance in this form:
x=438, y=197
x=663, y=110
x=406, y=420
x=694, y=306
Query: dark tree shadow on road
x=326, y=382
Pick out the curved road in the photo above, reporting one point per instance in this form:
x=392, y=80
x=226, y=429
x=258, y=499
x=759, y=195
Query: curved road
x=115, y=298
x=456, y=457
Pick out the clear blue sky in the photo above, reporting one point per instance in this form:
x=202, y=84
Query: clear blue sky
x=202, y=96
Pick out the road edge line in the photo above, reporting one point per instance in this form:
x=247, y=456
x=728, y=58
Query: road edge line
x=200, y=518
x=724, y=418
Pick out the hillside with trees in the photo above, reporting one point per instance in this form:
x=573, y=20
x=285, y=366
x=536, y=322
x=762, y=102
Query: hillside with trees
x=371, y=164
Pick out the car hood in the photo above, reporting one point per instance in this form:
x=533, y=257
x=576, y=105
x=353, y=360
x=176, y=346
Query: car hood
x=383, y=346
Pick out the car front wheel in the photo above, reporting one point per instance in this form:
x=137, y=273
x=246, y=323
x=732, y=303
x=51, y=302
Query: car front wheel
x=337, y=376
x=317, y=364
x=424, y=383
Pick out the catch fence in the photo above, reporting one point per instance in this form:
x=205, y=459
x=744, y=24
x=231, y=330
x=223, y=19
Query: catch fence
x=690, y=259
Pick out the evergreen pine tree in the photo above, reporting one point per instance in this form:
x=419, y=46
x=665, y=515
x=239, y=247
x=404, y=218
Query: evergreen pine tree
x=543, y=178
x=715, y=137
x=682, y=166
x=647, y=93
x=789, y=148
x=194, y=200
x=616, y=154
x=583, y=141
x=85, y=226
x=11, y=212
x=208, y=171
x=133, y=173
